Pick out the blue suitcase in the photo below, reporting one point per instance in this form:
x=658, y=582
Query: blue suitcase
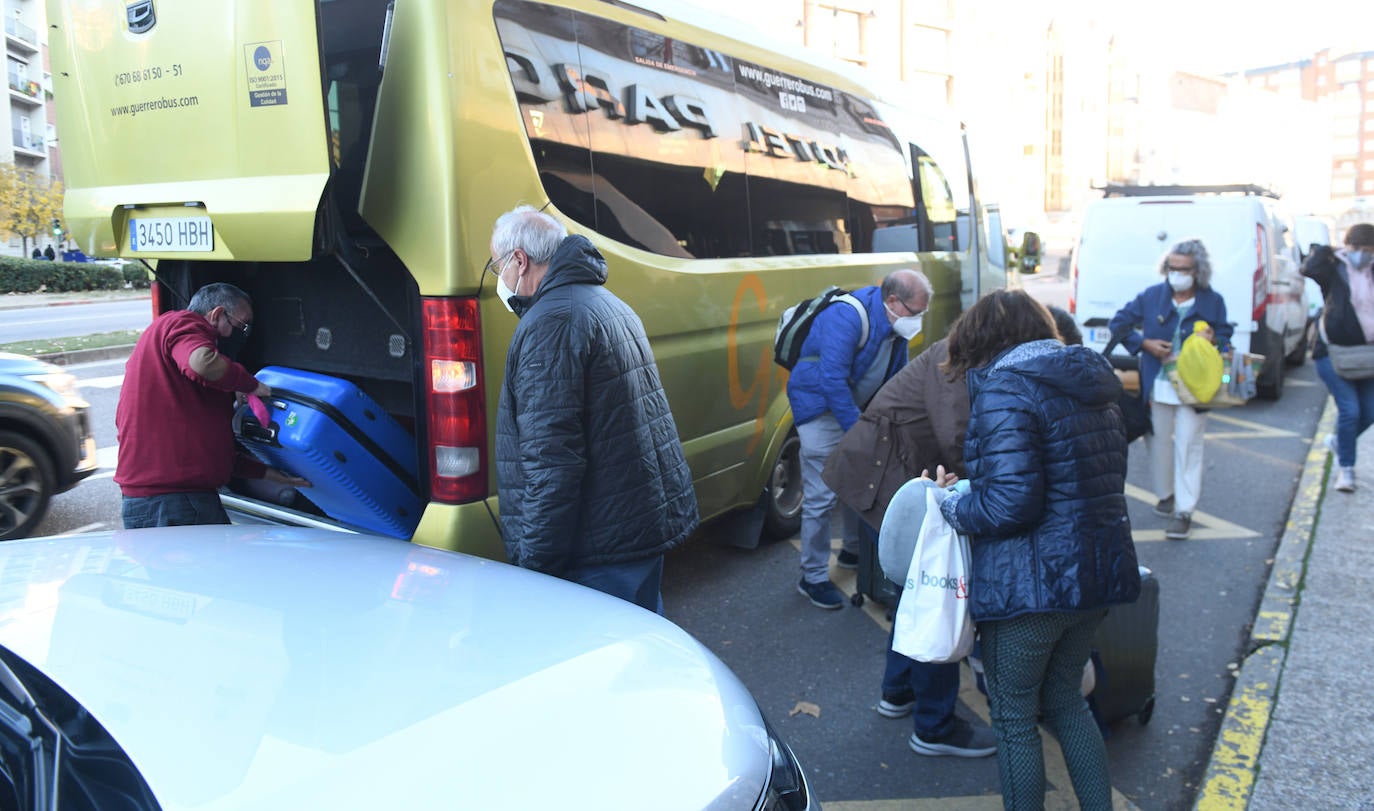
x=360, y=462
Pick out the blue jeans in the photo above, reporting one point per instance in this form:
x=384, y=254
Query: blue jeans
x=637, y=582
x=818, y=439
x=1354, y=409
x=1033, y=665
x=935, y=688
x=172, y=510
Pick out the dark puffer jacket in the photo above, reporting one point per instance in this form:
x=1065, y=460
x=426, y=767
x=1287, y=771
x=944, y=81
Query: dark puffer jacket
x=589, y=466
x=1046, y=512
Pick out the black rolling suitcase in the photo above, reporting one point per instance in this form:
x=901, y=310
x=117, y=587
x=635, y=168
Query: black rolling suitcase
x=1126, y=647
x=872, y=583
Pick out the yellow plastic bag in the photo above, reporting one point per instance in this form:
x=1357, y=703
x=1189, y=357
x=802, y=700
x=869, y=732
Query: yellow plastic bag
x=1200, y=366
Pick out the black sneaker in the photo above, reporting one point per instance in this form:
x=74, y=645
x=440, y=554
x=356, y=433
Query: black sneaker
x=964, y=740
x=823, y=595
x=1165, y=507
x=1179, y=527
x=847, y=559
x=899, y=705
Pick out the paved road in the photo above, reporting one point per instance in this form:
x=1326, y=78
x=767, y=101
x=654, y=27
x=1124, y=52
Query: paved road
x=75, y=319
x=744, y=606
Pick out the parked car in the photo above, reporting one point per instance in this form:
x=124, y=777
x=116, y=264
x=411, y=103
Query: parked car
x=46, y=443
x=266, y=667
x=1255, y=265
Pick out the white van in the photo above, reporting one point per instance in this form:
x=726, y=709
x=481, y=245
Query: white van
x=1255, y=265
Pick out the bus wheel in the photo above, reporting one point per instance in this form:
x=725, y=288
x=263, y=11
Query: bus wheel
x=783, y=499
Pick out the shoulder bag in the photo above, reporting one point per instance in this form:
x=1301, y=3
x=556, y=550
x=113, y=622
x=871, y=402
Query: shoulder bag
x=1350, y=362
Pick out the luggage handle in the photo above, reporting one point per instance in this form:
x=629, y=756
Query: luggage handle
x=247, y=427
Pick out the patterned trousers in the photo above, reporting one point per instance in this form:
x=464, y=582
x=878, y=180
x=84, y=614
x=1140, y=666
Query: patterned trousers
x=1033, y=665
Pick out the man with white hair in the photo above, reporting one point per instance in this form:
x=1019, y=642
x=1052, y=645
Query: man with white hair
x=593, y=483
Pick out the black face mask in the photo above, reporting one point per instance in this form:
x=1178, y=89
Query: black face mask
x=231, y=347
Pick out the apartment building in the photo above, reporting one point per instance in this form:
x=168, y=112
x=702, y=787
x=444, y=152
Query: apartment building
x=1345, y=81
x=29, y=117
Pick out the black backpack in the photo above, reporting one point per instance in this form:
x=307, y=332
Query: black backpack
x=796, y=322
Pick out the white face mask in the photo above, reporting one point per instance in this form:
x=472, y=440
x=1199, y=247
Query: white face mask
x=907, y=327
x=1180, y=281
x=502, y=291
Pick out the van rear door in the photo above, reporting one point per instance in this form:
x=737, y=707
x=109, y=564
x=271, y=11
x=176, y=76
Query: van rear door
x=1118, y=256
x=216, y=115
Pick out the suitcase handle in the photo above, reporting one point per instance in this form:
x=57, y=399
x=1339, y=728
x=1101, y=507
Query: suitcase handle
x=247, y=427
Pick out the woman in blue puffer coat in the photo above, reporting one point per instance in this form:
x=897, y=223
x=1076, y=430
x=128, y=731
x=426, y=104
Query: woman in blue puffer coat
x=1045, y=513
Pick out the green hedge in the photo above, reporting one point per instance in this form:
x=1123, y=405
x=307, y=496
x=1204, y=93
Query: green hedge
x=36, y=275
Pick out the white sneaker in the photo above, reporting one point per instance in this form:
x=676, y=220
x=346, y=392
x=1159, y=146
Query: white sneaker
x=1331, y=444
x=1345, y=480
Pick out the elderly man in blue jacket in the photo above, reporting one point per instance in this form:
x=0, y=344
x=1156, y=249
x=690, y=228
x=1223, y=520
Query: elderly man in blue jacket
x=839, y=371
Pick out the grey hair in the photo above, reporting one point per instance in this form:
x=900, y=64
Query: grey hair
x=219, y=294
x=530, y=230
x=899, y=284
x=1195, y=249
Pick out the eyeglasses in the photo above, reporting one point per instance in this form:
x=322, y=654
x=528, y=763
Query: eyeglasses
x=246, y=327
x=912, y=310
x=495, y=266
x=1177, y=269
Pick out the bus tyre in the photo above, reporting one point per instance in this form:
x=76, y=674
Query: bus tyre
x=27, y=481
x=783, y=498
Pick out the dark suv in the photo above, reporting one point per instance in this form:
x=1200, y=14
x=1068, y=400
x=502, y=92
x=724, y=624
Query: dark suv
x=46, y=443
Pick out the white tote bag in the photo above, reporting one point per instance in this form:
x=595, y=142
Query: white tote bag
x=933, y=623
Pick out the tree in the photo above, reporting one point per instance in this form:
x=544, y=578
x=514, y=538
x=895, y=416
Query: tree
x=28, y=205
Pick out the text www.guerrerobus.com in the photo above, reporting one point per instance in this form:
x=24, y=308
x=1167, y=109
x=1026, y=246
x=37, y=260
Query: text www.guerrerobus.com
x=154, y=104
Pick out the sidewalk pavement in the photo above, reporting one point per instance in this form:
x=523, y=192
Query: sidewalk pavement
x=24, y=301
x=1299, y=730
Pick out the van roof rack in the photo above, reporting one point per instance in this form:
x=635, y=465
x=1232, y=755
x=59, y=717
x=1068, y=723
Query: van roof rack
x=1126, y=190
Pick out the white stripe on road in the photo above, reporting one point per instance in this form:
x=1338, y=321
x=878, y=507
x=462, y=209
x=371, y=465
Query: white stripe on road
x=108, y=382
x=98, y=525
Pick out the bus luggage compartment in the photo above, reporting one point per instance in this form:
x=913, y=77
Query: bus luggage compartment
x=360, y=462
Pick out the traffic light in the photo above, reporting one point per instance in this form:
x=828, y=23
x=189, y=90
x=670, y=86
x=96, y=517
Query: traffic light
x=56, y=227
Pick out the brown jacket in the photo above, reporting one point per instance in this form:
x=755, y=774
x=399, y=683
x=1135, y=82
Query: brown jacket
x=915, y=422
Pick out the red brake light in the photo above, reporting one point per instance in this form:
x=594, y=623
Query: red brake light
x=456, y=400
x=1260, y=296
x=159, y=293
x=1073, y=283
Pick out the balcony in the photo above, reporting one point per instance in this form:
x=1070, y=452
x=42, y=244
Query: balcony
x=33, y=146
x=21, y=35
x=25, y=89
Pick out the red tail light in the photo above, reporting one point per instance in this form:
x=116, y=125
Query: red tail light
x=1073, y=283
x=1260, y=296
x=159, y=294
x=456, y=400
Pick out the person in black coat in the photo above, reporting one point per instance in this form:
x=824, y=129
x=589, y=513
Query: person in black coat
x=49, y=254
x=1346, y=277
x=1045, y=512
x=593, y=483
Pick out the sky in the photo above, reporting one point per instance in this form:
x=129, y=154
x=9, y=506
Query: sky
x=1229, y=35
x=1207, y=36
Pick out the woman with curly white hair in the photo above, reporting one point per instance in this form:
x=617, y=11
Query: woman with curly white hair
x=1153, y=326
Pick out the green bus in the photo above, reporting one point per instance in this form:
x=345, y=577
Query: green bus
x=343, y=161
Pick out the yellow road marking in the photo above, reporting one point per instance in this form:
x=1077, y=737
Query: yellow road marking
x=1206, y=527
x=1252, y=430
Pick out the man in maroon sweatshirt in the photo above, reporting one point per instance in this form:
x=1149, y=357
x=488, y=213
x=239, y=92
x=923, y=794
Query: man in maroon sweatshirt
x=176, y=445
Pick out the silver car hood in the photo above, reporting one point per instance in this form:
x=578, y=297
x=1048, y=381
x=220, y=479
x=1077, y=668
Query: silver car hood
x=279, y=668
